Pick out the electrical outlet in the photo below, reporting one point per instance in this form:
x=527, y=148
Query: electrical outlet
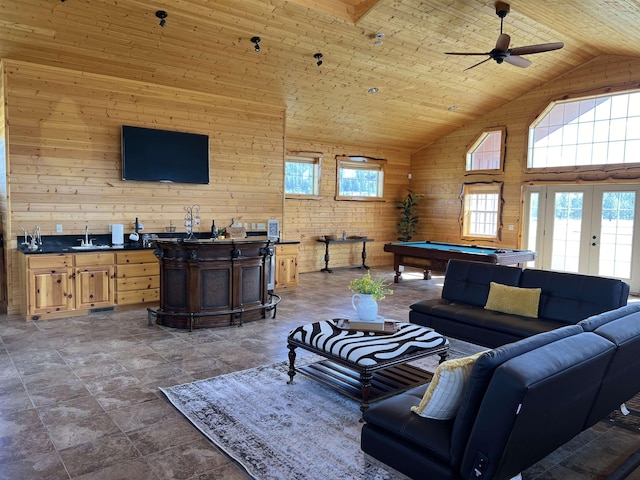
x=59, y=228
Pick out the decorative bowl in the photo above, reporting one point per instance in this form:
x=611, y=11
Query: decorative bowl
x=330, y=237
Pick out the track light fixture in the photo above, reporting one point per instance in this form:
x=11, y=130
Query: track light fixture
x=162, y=15
x=318, y=57
x=256, y=43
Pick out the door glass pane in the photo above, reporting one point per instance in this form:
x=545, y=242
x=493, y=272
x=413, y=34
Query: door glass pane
x=616, y=234
x=567, y=228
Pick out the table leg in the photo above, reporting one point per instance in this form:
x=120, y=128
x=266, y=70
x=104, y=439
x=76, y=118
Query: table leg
x=365, y=388
x=443, y=356
x=326, y=259
x=364, y=255
x=292, y=361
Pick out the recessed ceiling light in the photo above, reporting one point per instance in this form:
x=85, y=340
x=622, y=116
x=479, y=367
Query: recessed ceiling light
x=373, y=90
x=452, y=108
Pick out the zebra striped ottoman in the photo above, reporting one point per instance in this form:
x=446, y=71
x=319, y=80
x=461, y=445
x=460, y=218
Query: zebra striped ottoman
x=354, y=356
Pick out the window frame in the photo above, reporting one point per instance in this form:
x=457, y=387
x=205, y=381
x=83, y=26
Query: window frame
x=593, y=95
x=360, y=163
x=316, y=161
x=475, y=145
x=465, y=215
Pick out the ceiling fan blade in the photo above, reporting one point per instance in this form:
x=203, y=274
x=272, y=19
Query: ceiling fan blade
x=517, y=61
x=503, y=42
x=543, y=47
x=479, y=63
x=461, y=53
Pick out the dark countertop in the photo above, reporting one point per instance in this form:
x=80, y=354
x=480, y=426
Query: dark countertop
x=62, y=244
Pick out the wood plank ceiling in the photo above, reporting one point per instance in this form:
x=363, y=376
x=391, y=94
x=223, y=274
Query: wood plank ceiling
x=205, y=46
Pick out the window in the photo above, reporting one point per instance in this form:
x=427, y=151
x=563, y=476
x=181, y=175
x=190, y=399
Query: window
x=599, y=130
x=481, y=210
x=486, y=154
x=302, y=176
x=359, y=178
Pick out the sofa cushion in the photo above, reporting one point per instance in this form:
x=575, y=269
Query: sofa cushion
x=595, y=321
x=570, y=297
x=516, y=325
x=395, y=418
x=516, y=300
x=442, y=398
x=480, y=377
x=468, y=282
x=621, y=381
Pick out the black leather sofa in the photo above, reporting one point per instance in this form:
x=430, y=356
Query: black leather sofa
x=566, y=299
x=522, y=401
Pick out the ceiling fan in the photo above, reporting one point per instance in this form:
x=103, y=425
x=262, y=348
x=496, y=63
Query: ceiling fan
x=502, y=52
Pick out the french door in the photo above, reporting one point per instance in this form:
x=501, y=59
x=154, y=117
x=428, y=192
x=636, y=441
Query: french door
x=585, y=229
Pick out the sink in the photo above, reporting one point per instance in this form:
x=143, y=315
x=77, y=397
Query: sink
x=91, y=247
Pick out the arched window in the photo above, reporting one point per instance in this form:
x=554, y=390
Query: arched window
x=598, y=130
x=486, y=153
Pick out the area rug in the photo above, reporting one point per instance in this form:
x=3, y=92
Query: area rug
x=275, y=430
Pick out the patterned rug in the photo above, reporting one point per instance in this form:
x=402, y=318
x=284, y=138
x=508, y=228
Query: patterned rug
x=275, y=430
x=631, y=421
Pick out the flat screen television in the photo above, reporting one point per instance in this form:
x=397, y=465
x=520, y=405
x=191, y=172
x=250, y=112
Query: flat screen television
x=153, y=155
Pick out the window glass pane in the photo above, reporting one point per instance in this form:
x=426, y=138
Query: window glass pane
x=360, y=179
x=481, y=210
x=602, y=126
x=486, y=152
x=301, y=176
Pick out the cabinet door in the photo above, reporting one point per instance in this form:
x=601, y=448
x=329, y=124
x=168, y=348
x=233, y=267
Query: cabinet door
x=94, y=286
x=49, y=291
x=286, y=271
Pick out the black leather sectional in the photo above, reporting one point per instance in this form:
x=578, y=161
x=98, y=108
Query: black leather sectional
x=566, y=299
x=522, y=401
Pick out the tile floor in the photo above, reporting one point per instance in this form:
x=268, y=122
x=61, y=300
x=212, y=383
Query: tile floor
x=79, y=397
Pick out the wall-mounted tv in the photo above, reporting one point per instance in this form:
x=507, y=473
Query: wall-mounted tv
x=153, y=155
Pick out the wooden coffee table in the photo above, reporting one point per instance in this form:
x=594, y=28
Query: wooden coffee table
x=365, y=365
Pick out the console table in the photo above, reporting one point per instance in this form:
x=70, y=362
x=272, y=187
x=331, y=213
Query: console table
x=327, y=242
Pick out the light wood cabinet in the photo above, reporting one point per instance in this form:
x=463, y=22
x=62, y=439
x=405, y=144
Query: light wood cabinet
x=50, y=288
x=94, y=280
x=137, y=277
x=74, y=284
x=286, y=266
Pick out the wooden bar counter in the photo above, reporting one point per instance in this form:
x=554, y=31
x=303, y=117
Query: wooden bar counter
x=208, y=283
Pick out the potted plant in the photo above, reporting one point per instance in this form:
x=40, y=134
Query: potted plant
x=407, y=227
x=367, y=290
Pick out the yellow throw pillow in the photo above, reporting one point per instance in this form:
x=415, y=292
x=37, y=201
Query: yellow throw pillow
x=519, y=301
x=444, y=394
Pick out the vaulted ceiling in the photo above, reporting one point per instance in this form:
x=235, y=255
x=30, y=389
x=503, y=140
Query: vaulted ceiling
x=422, y=93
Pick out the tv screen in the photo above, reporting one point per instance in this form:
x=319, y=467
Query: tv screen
x=153, y=155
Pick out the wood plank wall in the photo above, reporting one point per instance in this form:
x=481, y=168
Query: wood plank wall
x=64, y=130
x=65, y=162
x=438, y=169
x=307, y=220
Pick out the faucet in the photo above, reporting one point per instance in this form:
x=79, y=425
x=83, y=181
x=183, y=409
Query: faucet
x=86, y=236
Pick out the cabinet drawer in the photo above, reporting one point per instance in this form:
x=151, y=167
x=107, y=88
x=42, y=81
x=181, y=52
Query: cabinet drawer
x=286, y=249
x=138, y=296
x=137, y=270
x=49, y=261
x=137, y=283
x=136, y=256
x=84, y=259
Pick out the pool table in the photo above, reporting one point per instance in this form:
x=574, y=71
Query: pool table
x=435, y=255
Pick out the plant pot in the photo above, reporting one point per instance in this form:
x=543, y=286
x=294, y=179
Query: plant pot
x=366, y=307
